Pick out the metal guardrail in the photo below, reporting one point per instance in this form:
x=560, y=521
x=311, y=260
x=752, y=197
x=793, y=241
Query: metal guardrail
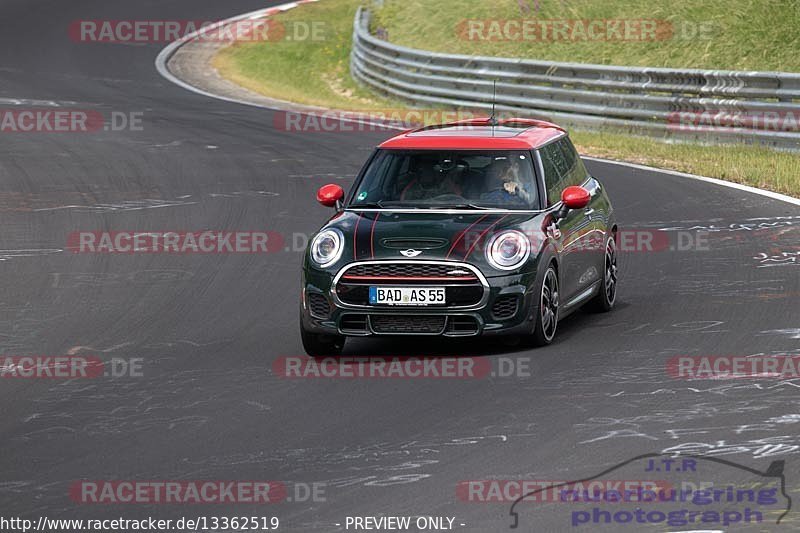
x=704, y=105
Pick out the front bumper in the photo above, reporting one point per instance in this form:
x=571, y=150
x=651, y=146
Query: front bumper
x=505, y=309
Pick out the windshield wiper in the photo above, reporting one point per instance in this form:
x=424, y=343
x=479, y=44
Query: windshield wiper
x=463, y=206
x=381, y=205
x=369, y=205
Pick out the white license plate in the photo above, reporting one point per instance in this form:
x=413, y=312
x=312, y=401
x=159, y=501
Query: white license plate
x=407, y=295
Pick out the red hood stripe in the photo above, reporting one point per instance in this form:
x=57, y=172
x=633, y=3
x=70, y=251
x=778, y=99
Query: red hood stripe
x=372, y=236
x=482, y=234
x=355, y=238
x=461, y=235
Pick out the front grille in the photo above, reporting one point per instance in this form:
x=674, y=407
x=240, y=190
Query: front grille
x=448, y=325
x=441, y=272
x=463, y=287
x=407, y=323
x=318, y=305
x=505, y=306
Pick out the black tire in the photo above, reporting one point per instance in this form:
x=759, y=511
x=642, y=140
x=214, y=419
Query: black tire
x=546, y=310
x=321, y=345
x=604, y=300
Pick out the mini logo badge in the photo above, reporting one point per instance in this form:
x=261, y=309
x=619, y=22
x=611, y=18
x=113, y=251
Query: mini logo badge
x=411, y=252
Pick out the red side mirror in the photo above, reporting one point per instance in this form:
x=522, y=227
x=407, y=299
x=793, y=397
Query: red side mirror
x=328, y=195
x=575, y=197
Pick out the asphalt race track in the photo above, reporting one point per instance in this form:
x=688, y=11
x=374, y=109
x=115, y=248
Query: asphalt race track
x=207, y=328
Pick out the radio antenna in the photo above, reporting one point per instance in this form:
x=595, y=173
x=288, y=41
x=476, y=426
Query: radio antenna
x=493, y=118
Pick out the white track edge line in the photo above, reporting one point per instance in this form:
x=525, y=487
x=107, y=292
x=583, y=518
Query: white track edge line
x=715, y=181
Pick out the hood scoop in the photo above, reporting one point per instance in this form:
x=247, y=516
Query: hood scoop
x=422, y=243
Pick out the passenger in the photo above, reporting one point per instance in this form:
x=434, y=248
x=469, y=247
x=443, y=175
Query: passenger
x=504, y=185
x=512, y=183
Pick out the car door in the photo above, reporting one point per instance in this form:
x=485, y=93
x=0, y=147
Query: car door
x=578, y=230
x=566, y=231
x=593, y=229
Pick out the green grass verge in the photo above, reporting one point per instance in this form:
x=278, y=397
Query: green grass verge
x=714, y=34
x=308, y=71
x=316, y=72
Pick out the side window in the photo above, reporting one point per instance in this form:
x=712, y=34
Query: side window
x=573, y=162
x=554, y=171
x=562, y=167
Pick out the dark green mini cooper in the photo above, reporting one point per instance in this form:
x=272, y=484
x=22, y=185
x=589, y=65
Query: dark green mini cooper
x=479, y=227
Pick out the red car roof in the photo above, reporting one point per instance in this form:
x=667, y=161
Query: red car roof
x=477, y=134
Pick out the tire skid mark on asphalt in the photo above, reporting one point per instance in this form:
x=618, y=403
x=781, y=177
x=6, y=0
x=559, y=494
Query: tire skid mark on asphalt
x=383, y=464
x=792, y=333
x=721, y=224
x=780, y=258
x=5, y=255
x=35, y=103
x=49, y=201
x=707, y=285
x=377, y=465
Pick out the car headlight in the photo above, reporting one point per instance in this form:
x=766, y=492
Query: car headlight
x=508, y=250
x=326, y=248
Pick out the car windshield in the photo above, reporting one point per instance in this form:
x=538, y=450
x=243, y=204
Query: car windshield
x=467, y=179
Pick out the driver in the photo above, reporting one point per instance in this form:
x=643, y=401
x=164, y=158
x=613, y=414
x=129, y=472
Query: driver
x=428, y=184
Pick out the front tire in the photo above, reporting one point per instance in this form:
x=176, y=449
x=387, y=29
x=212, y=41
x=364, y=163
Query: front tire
x=320, y=344
x=546, y=316
x=604, y=301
